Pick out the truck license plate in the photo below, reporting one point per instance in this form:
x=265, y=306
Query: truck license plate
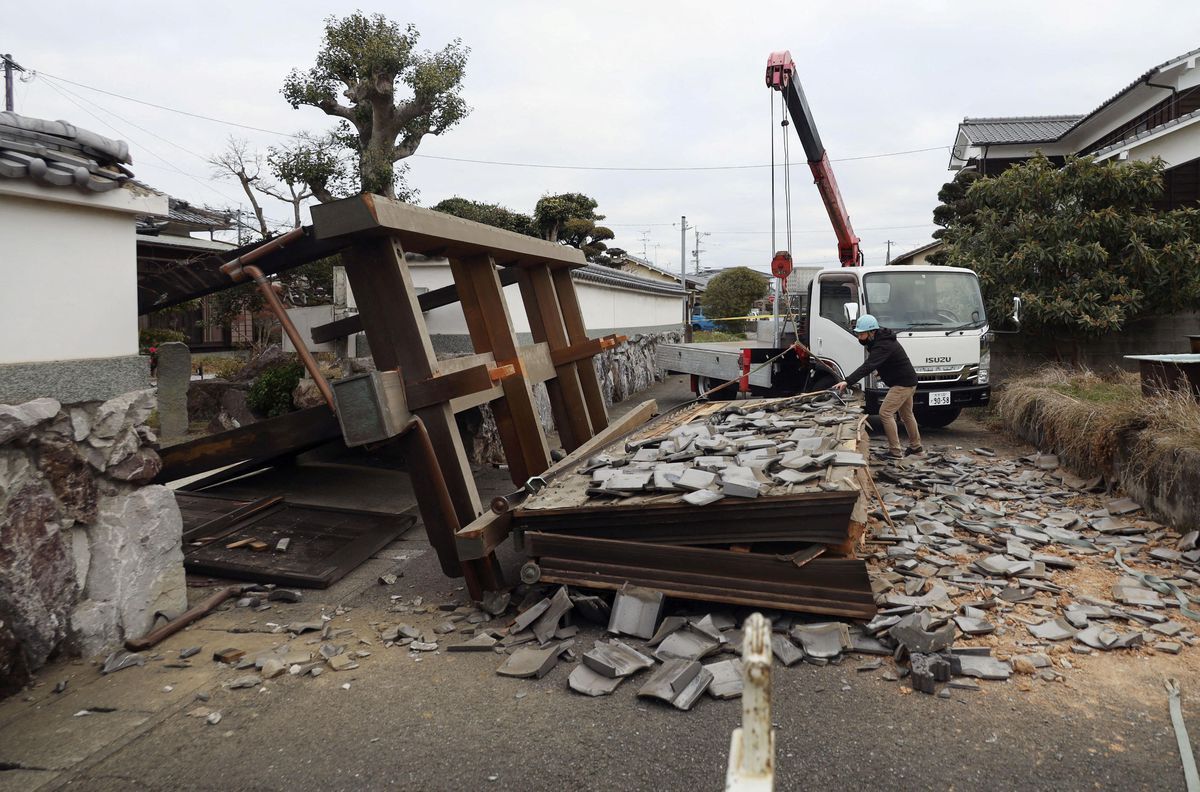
x=939, y=398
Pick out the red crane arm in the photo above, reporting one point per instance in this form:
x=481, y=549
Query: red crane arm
x=780, y=77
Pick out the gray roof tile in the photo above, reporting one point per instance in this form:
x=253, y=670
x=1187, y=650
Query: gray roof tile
x=60, y=154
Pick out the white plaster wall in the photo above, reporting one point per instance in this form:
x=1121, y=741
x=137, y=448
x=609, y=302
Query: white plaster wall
x=603, y=306
x=68, y=277
x=1176, y=146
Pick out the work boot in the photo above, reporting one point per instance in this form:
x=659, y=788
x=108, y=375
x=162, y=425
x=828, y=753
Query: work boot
x=915, y=451
x=890, y=454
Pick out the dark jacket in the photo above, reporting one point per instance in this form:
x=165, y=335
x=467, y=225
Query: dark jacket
x=886, y=356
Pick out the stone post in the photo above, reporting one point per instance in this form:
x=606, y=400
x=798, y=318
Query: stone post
x=174, y=374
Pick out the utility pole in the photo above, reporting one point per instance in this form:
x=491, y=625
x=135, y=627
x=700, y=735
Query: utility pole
x=687, y=300
x=9, y=66
x=696, y=253
x=889, y=253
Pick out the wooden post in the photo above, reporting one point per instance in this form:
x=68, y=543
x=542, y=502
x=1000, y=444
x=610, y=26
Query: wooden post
x=576, y=333
x=391, y=317
x=546, y=323
x=491, y=330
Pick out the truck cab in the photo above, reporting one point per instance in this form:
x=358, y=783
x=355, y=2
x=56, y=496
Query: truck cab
x=938, y=316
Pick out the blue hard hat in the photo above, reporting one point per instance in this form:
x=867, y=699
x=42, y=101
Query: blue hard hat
x=866, y=323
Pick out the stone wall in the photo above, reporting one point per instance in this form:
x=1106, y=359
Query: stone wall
x=88, y=553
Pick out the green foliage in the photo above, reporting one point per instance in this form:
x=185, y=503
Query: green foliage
x=712, y=336
x=271, y=392
x=220, y=366
x=488, y=214
x=732, y=293
x=153, y=336
x=570, y=218
x=396, y=94
x=1081, y=245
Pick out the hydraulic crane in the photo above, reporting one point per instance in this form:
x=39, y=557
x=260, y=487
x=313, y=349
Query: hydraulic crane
x=781, y=72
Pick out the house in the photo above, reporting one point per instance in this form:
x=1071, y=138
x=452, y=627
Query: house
x=68, y=307
x=1158, y=114
x=918, y=255
x=167, y=254
x=643, y=268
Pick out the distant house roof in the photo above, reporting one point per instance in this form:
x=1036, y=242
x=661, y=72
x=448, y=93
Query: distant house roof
x=1017, y=130
x=901, y=258
x=1020, y=129
x=609, y=276
x=59, y=154
x=183, y=218
x=697, y=280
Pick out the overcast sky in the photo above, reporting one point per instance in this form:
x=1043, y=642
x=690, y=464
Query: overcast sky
x=617, y=85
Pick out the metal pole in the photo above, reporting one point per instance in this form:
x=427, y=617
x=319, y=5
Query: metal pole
x=687, y=298
x=8, y=82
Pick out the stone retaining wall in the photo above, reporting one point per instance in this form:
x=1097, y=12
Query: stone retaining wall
x=88, y=553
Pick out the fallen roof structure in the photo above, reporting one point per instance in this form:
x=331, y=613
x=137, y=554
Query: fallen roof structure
x=781, y=484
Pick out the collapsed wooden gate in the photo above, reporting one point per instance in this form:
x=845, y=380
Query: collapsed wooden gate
x=373, y=234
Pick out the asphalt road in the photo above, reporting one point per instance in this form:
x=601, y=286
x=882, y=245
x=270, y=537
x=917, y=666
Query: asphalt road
x=446, y=721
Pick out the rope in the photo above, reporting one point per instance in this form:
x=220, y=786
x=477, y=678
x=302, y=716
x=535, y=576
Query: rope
x=787, y=178
x=773, y=248
x=1190, y=776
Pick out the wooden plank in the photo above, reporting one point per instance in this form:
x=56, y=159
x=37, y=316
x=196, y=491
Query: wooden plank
x=584, y=349
x=488, y=531
x=448, y=386
x=292, y=433
x=220, y=527
x=577, y=333
x=398, y=338
x=435, y=233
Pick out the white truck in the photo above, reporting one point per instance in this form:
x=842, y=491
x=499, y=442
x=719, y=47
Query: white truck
x=937, y=314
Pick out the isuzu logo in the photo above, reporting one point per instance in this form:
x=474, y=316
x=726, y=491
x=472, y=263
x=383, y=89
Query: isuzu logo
x=937, y=360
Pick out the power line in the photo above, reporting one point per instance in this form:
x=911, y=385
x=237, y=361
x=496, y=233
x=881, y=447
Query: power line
x=501, y=163
x=147, y=149
x=67, y=94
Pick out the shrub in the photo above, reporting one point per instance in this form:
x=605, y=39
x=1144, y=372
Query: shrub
x=221, y=366
x=153, y=336
x=271, y=392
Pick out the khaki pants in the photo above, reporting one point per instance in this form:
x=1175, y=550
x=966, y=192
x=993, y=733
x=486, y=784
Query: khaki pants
x=899, y=400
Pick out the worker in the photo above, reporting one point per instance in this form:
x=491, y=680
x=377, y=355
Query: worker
x=887, y=358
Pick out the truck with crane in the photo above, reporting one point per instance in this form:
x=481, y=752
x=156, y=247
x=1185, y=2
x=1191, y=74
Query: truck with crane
x=936, y=312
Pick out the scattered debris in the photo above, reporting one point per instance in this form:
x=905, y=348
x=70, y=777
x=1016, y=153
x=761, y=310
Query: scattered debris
x=121, y=660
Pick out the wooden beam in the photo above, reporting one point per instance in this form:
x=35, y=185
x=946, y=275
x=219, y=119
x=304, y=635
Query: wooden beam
x=546, y=324
x=577, y=333
x=399, y=339
x=490, y=326
x=426, y=231
x=446, y=387
x=446, y=295
x=291, y=433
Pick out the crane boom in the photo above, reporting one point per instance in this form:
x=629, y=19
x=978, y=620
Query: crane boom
x=781, y=77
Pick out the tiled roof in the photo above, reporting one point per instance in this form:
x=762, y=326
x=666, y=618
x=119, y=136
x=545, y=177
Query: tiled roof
x=60, y=154
x=598, y=273
x=1046, y=129
x=1020, y=129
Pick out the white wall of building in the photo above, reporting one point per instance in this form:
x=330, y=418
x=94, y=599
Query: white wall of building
x=604, y=307
x=68, y=272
